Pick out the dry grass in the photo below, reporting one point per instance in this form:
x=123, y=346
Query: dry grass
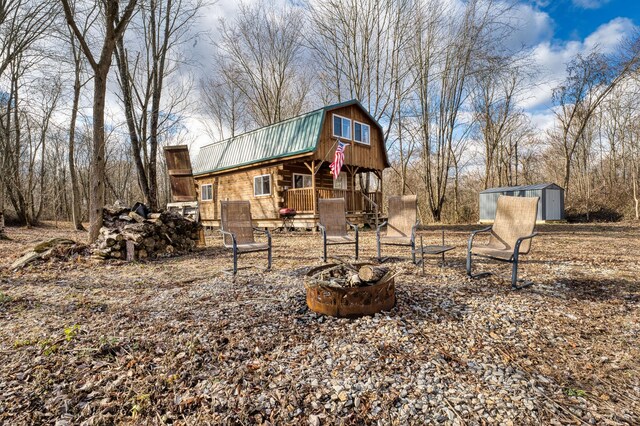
x=175, y=340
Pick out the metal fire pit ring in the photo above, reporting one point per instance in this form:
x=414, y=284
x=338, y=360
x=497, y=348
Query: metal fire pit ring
x=349, y=302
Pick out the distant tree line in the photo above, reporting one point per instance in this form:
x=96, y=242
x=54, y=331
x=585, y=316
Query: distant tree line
x=442, y=78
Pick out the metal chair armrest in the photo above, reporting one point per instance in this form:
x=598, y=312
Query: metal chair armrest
x=521, y=239
x=264, y=231
x=354, y=227
x=231, y=234
x=474, y=233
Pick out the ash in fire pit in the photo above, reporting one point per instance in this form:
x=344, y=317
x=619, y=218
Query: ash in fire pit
x=346, y=290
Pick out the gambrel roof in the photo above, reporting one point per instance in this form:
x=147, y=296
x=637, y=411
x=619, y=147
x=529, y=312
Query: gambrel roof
x=292, y=137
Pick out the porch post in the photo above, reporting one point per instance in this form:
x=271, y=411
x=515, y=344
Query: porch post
x=379, y=174
x=313, y=187
x=353, y=186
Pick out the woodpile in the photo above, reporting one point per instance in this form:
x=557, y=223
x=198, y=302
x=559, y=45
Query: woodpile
x=128, y=234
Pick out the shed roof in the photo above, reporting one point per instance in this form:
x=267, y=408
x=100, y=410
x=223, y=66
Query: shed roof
x=537, y=186
x=297, y=135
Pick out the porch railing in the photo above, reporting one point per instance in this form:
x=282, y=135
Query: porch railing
x=301, y=199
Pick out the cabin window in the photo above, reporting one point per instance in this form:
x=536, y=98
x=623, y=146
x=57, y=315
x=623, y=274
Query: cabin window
x=361, y=133
x=262, y=185
x=341, y=127
x=302, y=181
x=340, y=182
x=206, y=192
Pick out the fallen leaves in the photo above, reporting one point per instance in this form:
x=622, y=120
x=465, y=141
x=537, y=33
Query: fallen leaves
x=175, y=341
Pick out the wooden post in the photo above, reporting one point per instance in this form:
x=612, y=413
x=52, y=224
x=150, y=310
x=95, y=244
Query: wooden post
x=379, y=174
x=313, y=187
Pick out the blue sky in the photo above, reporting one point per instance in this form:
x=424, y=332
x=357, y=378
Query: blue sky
x=576, y=19
x=557, y=30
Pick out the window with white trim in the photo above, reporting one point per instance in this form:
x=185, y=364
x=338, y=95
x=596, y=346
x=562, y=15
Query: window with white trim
x=302, y=181
x=206, y=192
x=341, y=127
x=262, y=185
x=361, y=132
x=341, y=181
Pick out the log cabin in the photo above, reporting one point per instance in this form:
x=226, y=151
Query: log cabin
x=286, y=165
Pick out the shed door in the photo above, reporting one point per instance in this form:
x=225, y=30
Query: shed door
x=553, y=204
x=183, y=187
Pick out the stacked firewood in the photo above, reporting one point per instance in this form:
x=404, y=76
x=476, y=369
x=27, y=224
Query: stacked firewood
x=128, y=234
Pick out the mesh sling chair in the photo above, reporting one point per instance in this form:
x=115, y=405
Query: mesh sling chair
x=401, y=225
x=510, y=235
x=333, y=224
x=237, y=231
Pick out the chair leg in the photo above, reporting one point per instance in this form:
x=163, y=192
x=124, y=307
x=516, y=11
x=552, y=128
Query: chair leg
x=514, y=276
x=469, y=273
x=324, y=244
x=413, y=252
x=235, y=260
x=378, y=246
x=357, y=245
x=269, y=258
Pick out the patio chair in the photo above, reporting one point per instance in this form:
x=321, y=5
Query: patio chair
x=238, y=232
x=333, y=224
x=401, y=225
x=510, y=235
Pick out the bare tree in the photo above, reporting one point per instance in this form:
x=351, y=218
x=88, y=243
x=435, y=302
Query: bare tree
x=114, y=28
x=22, y=24
x=145, y=63
x=590, y=79
x=224, y=102
x=502, y=124
x=443, y=73
x=264, y=47
x=361, y=44
x=78, y=84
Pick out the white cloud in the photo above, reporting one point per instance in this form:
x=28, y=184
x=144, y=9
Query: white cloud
x=531, y=26
x=590, y=4
x=608, y=36
x=551, y=58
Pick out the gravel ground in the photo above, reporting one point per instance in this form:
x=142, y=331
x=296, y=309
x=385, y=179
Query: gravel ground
x=176, y=341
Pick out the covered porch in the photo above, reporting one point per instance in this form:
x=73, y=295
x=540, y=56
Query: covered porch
x=305, y=200
x=305, y=183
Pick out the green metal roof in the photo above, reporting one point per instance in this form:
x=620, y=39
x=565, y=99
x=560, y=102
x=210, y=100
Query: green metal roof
x=297, y=135
x=294, y=136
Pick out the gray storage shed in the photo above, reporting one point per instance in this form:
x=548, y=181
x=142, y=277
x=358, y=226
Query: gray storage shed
x=550, y=206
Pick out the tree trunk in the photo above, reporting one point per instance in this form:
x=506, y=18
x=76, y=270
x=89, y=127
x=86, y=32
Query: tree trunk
x=98, y=162
x=75, y=191
x=635, y=195
x=3, y=235
x=126, y=84
x=567, y=174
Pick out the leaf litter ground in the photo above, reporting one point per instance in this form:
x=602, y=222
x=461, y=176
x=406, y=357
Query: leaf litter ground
x=176, y=340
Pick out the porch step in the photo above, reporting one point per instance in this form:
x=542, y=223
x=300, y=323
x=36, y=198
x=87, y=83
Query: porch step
x=370, y=220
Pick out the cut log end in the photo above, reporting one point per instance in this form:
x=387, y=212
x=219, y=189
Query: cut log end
x=369, y=273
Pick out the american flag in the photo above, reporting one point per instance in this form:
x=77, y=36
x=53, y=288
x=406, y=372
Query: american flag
x=338, y=160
